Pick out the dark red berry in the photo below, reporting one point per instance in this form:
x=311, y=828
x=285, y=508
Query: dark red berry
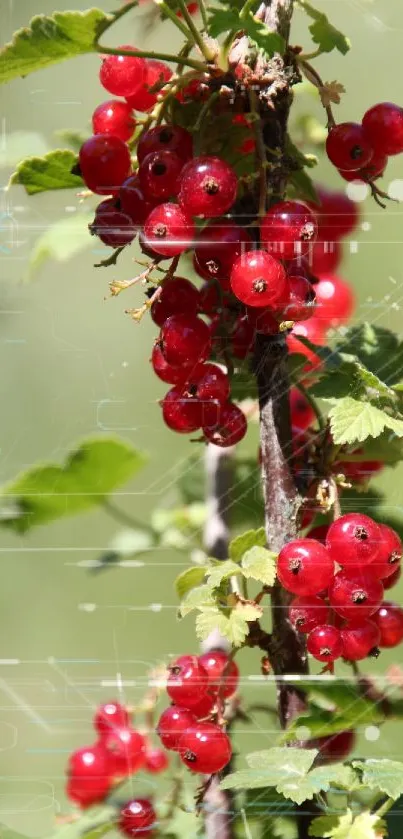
x=305, y=567
x=389, y=620
x=114, y=117
x=347, y=146
x=391, y=551
x=185, y=339
x=354, y=540
x=389, y=582
x=168, y=231
x=210, y=382
x=205, y=748
x=217, y=247
x=359, y=639
x=156, y=73
x=319, y=533
x=210, y=299
x=262, y=320
x=324, y=643
x=122, y=75
x=355, y=598
x=302, y=414
x=335, y=747
x=258, y=279
x=112, y=227
x=156, y=761
x=187, y=681
x=307, y=612
x=383, y=126
x=230, y=429
x=126, y=750
x=110, y=715
x=374, y=169
x=173, y=722
x=178, y=296
x=181, y=412
x=104, y=163
x=337, y=215
x=137, y=818
x=133, y=201
x=208, y=187
x=159, y=175
x=222, y=672
x=335, y=300
x=165, y=138
x=88, y=776
x=243, y=337
x=325, y=257
x=301, y=303
x=165, y=372
x=288, y=228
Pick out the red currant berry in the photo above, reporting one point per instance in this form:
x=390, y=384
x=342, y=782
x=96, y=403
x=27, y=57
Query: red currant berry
x=165, y=138
x=374, y=169
x=133, y=202
x=156, y=761
x=312, y=329
x=126, y=749
x=89, y=776
x=168, y=231
x=230, y=428
x=173, y=722
x=296, y=346
x=217, y=247
x=335, y=301
x=306, y=613
x=187, y=681
x=137, y=818
x=86, y=793
x=301, y=304
x=389, y=582
x=114, y=117
x=243, y=337
x=205, y=707
x=305, y=567
x=178, y=296
x=355, y=597
x=165, y=372
x=325, y=257
x=210, y=383
x=334, y=748
x=262, y=320
x=258, y=279
x=181, y=412
x=113, y=228
x=337, y=215
x=383, y=126
x=324, y=643
x=205, y=748
x=347, y=146
x=210, y=299
x=302, y=414
x=222, y=672
x=156, y=72
x=359, y=639
x=185, y=339
x=391, y=551
x=104, y=163
x=159, y=175
x=122, y=75
x=208, y=187
x=320, y=533
x=110, y=715
x=354, y=540
x=389, y=620
x=288, y=228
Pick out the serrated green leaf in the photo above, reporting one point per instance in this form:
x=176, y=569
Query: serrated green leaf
x=289, y=761
x=53, y=171
x=61, y=241
x=233, y=624
x=385, y=775
x=286, y=769
x=259, y=564
x=225, y=20
x=246, y=779
x=323, y=32
x=345, y=375
x=352, y=421
x=50, y=39
x=222, y=571
x=378, y=349
x=363, y=826
x=200, y=597
x=222, y=20
x=190, y=579
x=324, y=826
x=245, y=541
x=90, y=473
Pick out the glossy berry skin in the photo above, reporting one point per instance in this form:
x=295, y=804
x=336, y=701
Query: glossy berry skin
x=334, y=748
x=168, y=231
x=104, y=163
x=114, y=117
x=185, y=339
x=173, y=722
x=305, y=613
x=208, y=187
x=355, y=597
x=165, y=138
x=304, y=567
x=391, y=551
x=230, y=429
x=156, y=761
x=178, y=296
x=325, y=257
x=288, y=228
x=324, y=643
x=181, y=412
x=137, y=818
x=389, y=582
x=159, y=175
x=164, y=371
x=217, y=247
x=374, y=169
x=113, y=228
x=259, y=279
x=209, y=382
x=187, y=681
x=383, y=125
x=301, y=303
x=302, y=414
x=87, y=791
x=223, y=674
x=205, y=707
x=347, y=146
x=110, y=715
x=122, y=75
x=126, y=749
x=88, y=775
x=337, y=215
x=359, y=640
x=156, y=71
x=354, y=540
x=133, y=201
x=335, y=300
x=205, y=748
x=389, y=620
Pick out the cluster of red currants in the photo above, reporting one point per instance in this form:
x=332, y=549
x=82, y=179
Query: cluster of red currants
x=360, y=151
x=339, y=582
x=198, y=688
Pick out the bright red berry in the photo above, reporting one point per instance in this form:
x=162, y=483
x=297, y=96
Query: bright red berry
x=133, y=201
x=88, y=775
x=307, y=612
x=337, y=215
x=355, y=598
x=156, y=72
x=325, y=257
x=288, y=228
x=168, y=231
x=181, y=412
x=305, y=567
x=178, y=296
x=137, y=818
x=301, y=303
x=324, y=643
x=359, y=639
x=164, y=371
x=391, y=551
x=383, y=126
x=347, y=146
x=334, y=748
x=208, y=187
x=187, y=681
x=335, y=300
x=156, y=761
x=222, y=672
x=173, y=722
x=205, y=707
x=354, y=540
x=258, y=279
x=165, y=138
x=205, y=748
x=85, y=792
x=230, y=429
x=389, y=620
x=389, y=582
x=126, y=749
x=159, y=175
x=110, y=715
x=185, y=339
x=302, y=413
x=217, y=247
x=122, y=75
x=114, y=117
x=104, y=163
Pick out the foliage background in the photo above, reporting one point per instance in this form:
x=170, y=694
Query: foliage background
x=74, y=365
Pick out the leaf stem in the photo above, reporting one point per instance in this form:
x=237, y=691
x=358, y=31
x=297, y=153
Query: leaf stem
x=246, y=8
x=385, y=807
x=203, y=12
x=313, y=76
x=175, y=19
x=198, y=39
x=314, y=405
x=161, y=56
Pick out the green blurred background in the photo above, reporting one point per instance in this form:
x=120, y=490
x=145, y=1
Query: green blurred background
x=73, y=364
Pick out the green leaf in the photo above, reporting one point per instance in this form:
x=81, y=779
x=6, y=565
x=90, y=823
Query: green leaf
x=243, y=385
x=287, y=769
x=260, y=564
x=190, y=579
x=364, y=826
x=225, y=20
x=39, y=174
x=92, y=824
x=90, y=473
x=323, y=32
x=378, y=349
x=385, y=775
x=245, y=541
x=387, y=447
x=345, y=375
x=48, y=40
x=233, y=624
x=324, y=826
x=61, y=241
x=200, y=597
x=222, y=571
x=352, y=421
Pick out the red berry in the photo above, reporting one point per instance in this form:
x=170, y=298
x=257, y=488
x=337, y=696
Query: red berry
x=114, y=117
x=156, y=761
x=389, y=582
x=360, y=471
x=89, y=775
x=337, y=215
x=217, y=247
x=178, y=296
x=126, y=750
x=258, y=279
x=383, y=126
x=320, y=533
x=164, y=371
x=104, y=163
x=230, y=428
x=168, y=231
x=181, y=412
x=165, y=138
x=374, y=169
x=208, y=187
x=334, y=748
x=122, y=75
x=133, y=201
x=324, y=643
x=355, y=598
x=359, y=639
x=288, y=228
x=335, y=301
x=325, y=257
x=243, y=337
x=391, y=551
x=204, y=708
x=307, y=612
x=223, y=674
x=302, y=414
x=173, y=722
x=142, y=99
x=301, y=304
x=210, y=383
x=305, y=567
x=262, y=320
x=210, y=299
x=312, y=329
x=137, y=818
x=110, y=715
x=347, y=146
x=159, y=175
x=205, y=748
x=185, y=339
x=112, y=227
x=389, y=620
x=85, y=792
x=354, y=540
x=187, y=681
